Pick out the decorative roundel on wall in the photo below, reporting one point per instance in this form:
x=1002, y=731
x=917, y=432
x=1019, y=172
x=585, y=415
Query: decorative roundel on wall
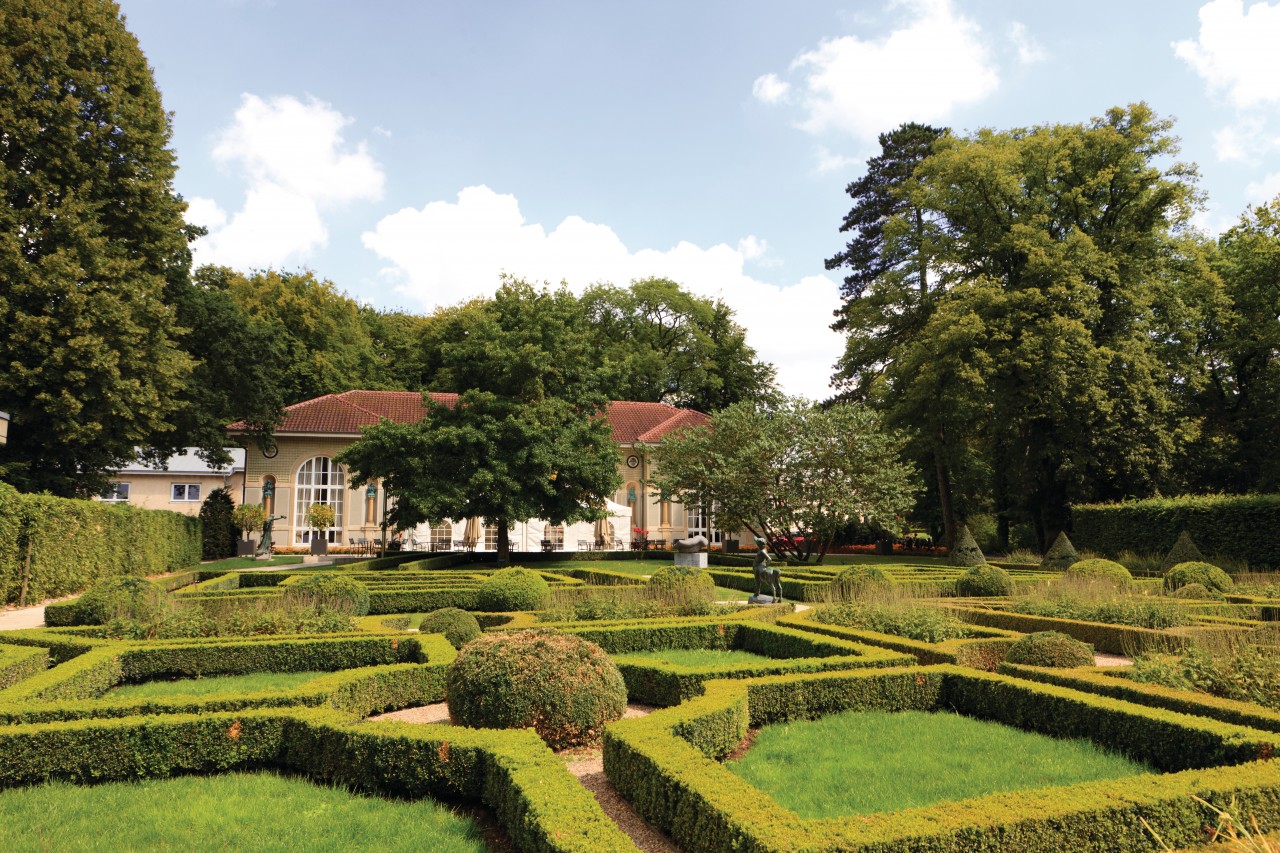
x=633, y=461
x=270, y=451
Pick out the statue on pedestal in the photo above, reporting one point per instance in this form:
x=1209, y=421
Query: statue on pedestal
x=766, y=575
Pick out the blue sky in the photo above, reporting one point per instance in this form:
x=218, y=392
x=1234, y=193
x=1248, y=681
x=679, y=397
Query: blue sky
x=411, y=151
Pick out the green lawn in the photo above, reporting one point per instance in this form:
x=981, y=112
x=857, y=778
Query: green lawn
x=248, y=563
x=867, y=762
x=701, y=657
x=250, y=683
x=626, y=567
x=235, y=811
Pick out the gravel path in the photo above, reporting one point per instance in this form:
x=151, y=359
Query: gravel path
x=587, y=766
x=1112, y=660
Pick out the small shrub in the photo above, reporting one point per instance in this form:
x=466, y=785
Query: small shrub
x=1196, y=591
x=1117, y=611
x=1022, y=557
x=513, y=589
x=458, y=626
x=966, y=553
x=120, y=597
x=329, y=592
x=985, y=581
x=560, y=685
x=1183, y=551
x=1100, y=569
x=1049, y=648
x=1207, y=575
x=857, y=580
x=1061, y=554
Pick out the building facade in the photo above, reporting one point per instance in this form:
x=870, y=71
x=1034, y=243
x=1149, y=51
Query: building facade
x=297, y=469
x=181, y=486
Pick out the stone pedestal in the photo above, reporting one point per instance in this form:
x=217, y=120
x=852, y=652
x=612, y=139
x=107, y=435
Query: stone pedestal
x=760, y=599
x=311, y=559
x=696, y=560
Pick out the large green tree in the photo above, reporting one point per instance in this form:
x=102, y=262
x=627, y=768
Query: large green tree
x=527, y=437
x=790, y=467
x=90, y=231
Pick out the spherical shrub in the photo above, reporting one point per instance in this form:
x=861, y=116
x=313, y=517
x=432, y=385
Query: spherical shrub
x=328, y=592
x=1098, y=569
x=683, y=584
x=1049, y=648
x=1195, y=591
x=458, y=626
x=120, y=597
x=858, y=580
x=1205, y=574
x=513, y=589
x=985, y=581
x=561, y=685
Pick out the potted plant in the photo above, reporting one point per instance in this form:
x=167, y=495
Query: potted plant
x=320, y=517
x=249, y=518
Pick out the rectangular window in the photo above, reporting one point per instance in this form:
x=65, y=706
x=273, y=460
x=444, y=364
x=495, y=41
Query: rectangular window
x=116, y=493
x=185, y=492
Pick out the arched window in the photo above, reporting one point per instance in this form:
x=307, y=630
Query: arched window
x=320, y=480
x=441, y=536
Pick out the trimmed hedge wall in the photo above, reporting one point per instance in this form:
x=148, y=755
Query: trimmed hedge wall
x=665, y=765
x=984, y=651
x=20, y=662
x=1239, y=526
x=50, y=547
x=1114, y=639
x=531, y=793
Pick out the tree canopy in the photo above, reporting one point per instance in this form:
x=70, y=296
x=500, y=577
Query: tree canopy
x=90, y=232
x=527, y=437
x=791, y=467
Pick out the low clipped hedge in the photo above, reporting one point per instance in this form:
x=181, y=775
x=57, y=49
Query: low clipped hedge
x=1113, y=639
x=458, y=626
x=1050, y=649
x=532, y=795
x=1206, y=575
x=984, y=651
x=684, y=581
x=329, y=592
x=20, y=662
x=666, y=766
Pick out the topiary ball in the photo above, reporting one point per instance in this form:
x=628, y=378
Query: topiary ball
x=1206, y=574
x=513, y=589
x=1099, y=569
x=458, y=626
x=560, y=685
x=1195, y=591
x=120, y=597
x=858, y=580
x=985, y=581
x=328, y=592
x=1049, y=648
x=683, y=583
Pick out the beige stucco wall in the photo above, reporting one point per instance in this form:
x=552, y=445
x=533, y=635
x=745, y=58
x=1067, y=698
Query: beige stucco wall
x=154, y=491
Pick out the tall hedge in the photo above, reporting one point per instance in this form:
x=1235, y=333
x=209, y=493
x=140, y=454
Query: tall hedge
x=60, y=546
x=1239, y=526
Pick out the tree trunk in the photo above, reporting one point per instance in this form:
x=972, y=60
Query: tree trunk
x=504, y=542
x=944, y=497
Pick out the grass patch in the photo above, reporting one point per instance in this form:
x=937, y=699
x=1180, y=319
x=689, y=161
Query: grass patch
x=248, y=563
x=725, y=594
x=249, y=683
x=867, y=762
x=235, y=811
x=701, y=657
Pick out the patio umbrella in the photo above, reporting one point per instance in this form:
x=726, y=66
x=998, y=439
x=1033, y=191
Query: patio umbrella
x=471, y=535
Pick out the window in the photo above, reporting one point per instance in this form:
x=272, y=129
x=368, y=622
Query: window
x=442, y=536
x=184, y=492
x=703, y=522
x=116, y=493
x=491, y=537
x=320, y=480
x=555, y=535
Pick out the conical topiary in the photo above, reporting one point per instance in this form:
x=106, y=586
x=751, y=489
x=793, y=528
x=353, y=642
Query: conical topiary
x=966, y=553
x=1061, y=554
x=1183, y=551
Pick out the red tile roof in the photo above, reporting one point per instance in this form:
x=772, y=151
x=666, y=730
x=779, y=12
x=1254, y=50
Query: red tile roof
x=345, y=413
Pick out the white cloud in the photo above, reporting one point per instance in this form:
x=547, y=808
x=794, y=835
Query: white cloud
x=770, y=89
x=446, y=252
x=829, y=161
x=936, y=62
x=1236, y=51
x=1029, y=50
x=294, y=158
x=1263, y=191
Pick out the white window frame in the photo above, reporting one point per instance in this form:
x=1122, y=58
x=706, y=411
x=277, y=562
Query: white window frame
x=116, y=493
x=555, y=535
x=186, y=490
x=442, y=534
x=319, y=480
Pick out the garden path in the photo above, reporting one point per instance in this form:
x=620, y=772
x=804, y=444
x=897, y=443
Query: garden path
x=587, y=766
x=22, y=617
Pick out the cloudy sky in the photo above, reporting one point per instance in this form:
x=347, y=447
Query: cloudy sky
x=411, y=151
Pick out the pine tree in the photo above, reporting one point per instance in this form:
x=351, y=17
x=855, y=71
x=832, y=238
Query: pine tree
x=90, y=230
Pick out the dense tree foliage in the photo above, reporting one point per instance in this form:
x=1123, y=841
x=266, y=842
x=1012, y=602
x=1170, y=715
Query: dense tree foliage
x=527, y=438
x=90, y=232
x=791, y=467
x=1057, y=347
